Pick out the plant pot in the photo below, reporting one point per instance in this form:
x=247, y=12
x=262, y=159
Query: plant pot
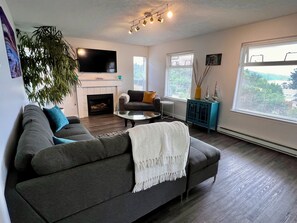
x=198, y=92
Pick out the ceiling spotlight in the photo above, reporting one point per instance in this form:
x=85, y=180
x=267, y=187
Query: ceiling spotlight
x=152, y=20
x=130, y=31
x=160, y=19
x=169, y=14
x=144, y=23
x=81, y=52
x=137, y=28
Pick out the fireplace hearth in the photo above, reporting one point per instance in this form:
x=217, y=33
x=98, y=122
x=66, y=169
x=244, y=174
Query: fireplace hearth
x=100, y=104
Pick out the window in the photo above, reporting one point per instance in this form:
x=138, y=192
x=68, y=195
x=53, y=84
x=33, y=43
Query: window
x=179, y=75
x=139, y=70
x=267, y=80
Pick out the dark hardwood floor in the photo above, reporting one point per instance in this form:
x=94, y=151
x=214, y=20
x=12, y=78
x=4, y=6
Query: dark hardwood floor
x=254, y=184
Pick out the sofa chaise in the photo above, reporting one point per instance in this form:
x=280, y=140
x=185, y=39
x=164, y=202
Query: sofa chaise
x=89, y=180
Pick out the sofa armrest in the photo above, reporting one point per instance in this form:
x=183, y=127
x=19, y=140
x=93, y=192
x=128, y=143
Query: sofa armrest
x=157, y=103
x=73, y=119
x=124, y=98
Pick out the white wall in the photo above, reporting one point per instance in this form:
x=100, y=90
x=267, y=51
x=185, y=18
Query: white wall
x=12, y=98
x=125, y=55
x=228, y=42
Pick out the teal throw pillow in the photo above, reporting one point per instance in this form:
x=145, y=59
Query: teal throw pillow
x=56, y=118
x=58, y=140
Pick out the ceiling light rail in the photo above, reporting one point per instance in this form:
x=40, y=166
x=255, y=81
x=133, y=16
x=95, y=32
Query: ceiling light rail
x=155, y=14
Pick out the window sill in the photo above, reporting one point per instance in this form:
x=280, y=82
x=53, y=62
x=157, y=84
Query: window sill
x=175, y=99
x=260, y=115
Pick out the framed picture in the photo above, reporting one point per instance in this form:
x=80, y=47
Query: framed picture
x=213, y=59
x=11, y=48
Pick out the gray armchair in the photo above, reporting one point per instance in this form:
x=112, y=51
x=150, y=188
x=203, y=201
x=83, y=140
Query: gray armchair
x=134, y=102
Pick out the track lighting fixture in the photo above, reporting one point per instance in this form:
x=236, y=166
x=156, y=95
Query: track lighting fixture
x=157, y=13
x=169, y=14
x=152, y=20
x=136, y=28
x=144, y=23
x=160, y=19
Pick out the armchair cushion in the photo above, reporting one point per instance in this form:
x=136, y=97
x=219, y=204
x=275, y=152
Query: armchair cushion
x=135, y=95
x=139, y=106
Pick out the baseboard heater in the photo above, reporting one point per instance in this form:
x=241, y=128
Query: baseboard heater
x=261, y=142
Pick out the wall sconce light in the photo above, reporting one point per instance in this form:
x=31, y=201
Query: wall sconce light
x=157, y=13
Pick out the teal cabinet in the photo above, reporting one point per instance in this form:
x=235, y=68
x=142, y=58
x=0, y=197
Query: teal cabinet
x=203, y=113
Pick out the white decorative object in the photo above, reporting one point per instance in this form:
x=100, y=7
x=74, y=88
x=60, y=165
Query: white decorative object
x=206, y=94
x=215, y=94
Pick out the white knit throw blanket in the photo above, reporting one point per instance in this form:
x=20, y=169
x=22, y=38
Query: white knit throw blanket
x=160, y=153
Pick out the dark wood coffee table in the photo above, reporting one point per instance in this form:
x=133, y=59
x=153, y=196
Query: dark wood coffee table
x=133, y=116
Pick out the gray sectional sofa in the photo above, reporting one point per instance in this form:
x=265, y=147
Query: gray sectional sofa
x=89, y=180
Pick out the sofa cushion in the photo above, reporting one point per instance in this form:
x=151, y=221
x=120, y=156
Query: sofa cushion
x=72, y=130
x=197, y=159
x=139, y=106
x=56, y=117
x=73, y=119
x=135, y=96
x=202, y=155
x=66, y=156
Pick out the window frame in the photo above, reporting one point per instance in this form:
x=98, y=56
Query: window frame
x=168, y=65
x=146, y=73
x=242, y=64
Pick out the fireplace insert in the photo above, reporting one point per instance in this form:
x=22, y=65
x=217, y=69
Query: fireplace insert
x=100, y=104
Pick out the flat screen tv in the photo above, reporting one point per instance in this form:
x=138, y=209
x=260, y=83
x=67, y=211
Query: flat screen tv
x=97, y=61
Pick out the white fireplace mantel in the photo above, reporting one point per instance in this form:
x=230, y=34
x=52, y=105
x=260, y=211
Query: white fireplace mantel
x=96, y=86
x=100, y=83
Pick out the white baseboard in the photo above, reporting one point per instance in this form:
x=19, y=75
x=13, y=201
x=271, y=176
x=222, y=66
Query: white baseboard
x=182, y=118
x=267, y=144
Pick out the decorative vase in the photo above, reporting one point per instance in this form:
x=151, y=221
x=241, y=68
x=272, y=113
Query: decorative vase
x=206, y=97
x=198, y=92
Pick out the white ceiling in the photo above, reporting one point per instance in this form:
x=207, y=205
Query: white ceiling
x=110, y=19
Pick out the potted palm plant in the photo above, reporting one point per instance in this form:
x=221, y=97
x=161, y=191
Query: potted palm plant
x=48, y=65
